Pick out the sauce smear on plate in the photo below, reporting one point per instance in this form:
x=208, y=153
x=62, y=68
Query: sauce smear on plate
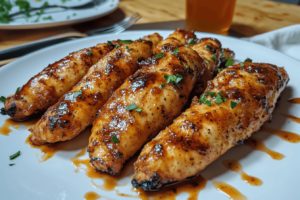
x=285, y=135
x=91, y=196
x=293, y=118
x=229, y=191
x=235, y=166
x=257, y=144
x=5, y=129
x=294, y=100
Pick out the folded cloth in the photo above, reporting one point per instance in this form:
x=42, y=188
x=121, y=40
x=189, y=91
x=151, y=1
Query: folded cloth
x=285, y=40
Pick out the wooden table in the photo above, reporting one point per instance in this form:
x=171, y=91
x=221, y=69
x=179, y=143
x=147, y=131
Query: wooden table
x=251, y=17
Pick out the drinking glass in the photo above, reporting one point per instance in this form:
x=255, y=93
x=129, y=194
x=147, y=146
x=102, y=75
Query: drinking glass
x=209, y=15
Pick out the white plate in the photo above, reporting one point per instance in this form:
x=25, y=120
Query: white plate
x=55, y=178
x=61, y=16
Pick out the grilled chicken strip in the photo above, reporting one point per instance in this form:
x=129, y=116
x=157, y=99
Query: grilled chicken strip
x=120, y=131
x=210, y=51
x=77, y=109
x=203, y=133
x=44, y=89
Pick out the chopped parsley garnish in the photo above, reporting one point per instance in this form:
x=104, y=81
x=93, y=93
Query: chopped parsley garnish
x=211, y=93
x=176, y=51
x=214, y=58
x=174, y=79
x=204, y=100
x=114, y=139
x=76, y=94
x=133, y=106
x=3, y=99
x=187, y=67
x=208, y=47
x=248, y=60
x=162, y=85
x=160, y=55
x=229, y=62
x=45, y=4
x=192, y=41
x=233, y=104
x=24, y=6
x=242, y=64
x=74, y=14
x=207, y=61
x=128, y=48
x=187, y=45
x=138, y=110
x=126, y=41
x=4, y=11
x=117, y=46
x=47, y=18
x=17, y=90
x=11, y=164
x=219, y=98
x=140, y=39
x=64, y=1
x=109, y=42
x=143, y=41
x=219, y=70
x=15, y=155
x=90, y=52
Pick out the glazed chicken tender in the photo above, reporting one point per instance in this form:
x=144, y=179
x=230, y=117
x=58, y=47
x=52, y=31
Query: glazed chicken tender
x=44, y=89
x=242, y=98
x=77, y=109
x=146, y=103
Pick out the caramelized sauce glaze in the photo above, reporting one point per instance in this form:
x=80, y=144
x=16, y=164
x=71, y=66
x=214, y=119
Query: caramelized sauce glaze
x=285, y=135
x=192, y=187
x=293, y=118
x=5, y=129
x=235, y=166
x=229, y=191
x=257, y=144
x=294, y=100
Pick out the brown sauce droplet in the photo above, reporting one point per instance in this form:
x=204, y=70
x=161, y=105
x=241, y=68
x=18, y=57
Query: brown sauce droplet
x=293, y=118
x=47, y=150
x=285, y=135
x=5, y=129
x=192, y=187
x=91, y=196
x=257, y=144
x=229, y=191
x=295, y=100
x=235, y=166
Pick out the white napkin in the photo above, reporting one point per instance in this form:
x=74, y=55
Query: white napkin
x=285, y=40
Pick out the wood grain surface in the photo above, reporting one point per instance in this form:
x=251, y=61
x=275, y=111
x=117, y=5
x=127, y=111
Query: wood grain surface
x=251, y=17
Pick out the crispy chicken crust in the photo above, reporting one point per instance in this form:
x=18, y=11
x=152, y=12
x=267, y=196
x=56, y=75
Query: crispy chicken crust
x=203, y=133
x=44, y=89
x=77, y=109
x=161, y=102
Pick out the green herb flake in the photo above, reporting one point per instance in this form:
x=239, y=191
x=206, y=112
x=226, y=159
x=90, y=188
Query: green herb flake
x=76, y=94
x=176, y=51
x=45, y=4
x=208, y=47
x=192, y=41
x=187, y=67
x=90, y=52
x=207, y=61
x=15, y=155
x=207, y=102
x=162, y=85
x=4, y=11
x=109, y=43
x=214, y=58
x=248, y=60
x=202, y=99
x=17, y=90
x=47, y=18
x=233, y=104
x=3, y=99
x=117, y=46
x=11, y=164
x=219, y=98
x=68, y=17
x=211, y=93
x=242, y=64
x=74, y=14
x=138, y=110
x=131, y=106
x=143, y=41
x=114, y=139
x=160, y=55
x=140, y=39
x=219, y=70
x=128, y=49
x=229, y=62
x=126, y=41
x=174, y=79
